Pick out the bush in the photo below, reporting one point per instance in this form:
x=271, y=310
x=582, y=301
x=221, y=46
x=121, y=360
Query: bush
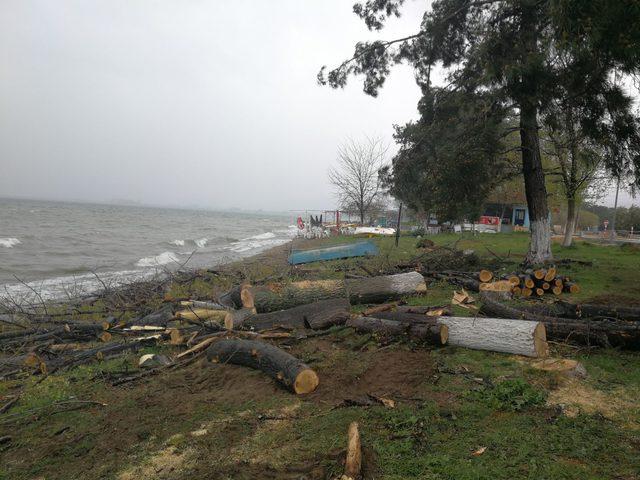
x=513, y=395
x=425, y=243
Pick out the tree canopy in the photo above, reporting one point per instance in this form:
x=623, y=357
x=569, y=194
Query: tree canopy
x=523, y=55
x=450, y=159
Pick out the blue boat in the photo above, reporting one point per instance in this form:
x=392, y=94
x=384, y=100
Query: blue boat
x=359, y=249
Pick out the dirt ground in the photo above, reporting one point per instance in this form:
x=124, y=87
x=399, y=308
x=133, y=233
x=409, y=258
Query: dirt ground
x=141, y=431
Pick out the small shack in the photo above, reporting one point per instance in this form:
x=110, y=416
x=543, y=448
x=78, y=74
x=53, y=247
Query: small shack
x=514, y=216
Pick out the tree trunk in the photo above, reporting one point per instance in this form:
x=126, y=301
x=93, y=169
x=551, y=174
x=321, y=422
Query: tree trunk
x=431, y=332
x=570, y=224
x=534, y=184
x=498, y=335
x=316, y=315
x=276, y=363
x=379, y=289
x=535, y=189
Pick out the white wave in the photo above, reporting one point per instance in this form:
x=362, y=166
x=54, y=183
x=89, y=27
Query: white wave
x=200, y=243
x=163, y=259
x=259, y=242
x=262, y=236
x=71, y=286
x=9, y=242
x=177, y=243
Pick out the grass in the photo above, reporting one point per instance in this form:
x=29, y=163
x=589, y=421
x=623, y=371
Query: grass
x=459, y=402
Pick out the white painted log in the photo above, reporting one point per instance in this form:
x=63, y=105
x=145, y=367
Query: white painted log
x=521, y=337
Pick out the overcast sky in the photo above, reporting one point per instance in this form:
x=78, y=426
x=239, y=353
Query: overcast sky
x=211, y=104
x=192, y=103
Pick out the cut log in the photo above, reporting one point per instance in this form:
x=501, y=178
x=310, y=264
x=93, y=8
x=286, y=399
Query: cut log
x=551, y=274
x=527, y=281
x=379, y=308
x=231, y=299
x=573, y=310
x=203, y=304
x=406, y=317
x=271, y=360
x=353, y=461
x=498, y=335
x=539, y=292
x=557, y=290
x=539, y=274
x=499, y=286
x=316, y=315
x=571, y=287
x=485, y=276
x=513, y=279
x=429, y=331
x=527, y=292
x=582, y=331
x=271, y=298
x=198, y=314
x=234, y=319
x=516, y=290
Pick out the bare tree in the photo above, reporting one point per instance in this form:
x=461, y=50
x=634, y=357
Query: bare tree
x=356, y=175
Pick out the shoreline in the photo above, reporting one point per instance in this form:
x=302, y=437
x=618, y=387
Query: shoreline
x=72, y=289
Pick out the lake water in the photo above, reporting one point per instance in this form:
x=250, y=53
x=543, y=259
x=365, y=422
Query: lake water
x=56, y=247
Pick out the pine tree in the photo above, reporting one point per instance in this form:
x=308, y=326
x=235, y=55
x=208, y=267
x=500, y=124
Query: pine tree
x=509, y=50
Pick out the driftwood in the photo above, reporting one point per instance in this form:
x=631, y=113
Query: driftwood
x=431, y=332
x=274, y=297
x=316, y=315
x=498, y=335
x=271, y=360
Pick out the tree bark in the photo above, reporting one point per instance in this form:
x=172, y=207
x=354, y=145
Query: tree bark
x=267, y=358
x=534, y=182
x=431, y=332
x=582, y=331
x=498, y=335
x=274, y=297
x=570, y=223
x=353, y=460
x=316, y=315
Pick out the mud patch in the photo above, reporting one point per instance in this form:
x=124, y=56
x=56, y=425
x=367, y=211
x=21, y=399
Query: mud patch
x=395, y=374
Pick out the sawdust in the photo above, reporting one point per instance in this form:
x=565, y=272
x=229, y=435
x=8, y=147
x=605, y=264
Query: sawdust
x=578, y=397
x=275, y=420
x=161, y=465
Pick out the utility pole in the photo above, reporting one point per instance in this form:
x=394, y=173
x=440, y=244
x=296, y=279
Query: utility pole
x=615, y=212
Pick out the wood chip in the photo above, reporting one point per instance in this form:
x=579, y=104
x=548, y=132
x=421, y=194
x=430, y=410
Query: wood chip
x=479, y=451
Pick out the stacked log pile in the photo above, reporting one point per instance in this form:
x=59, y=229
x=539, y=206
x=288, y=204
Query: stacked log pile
x=530, y=283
